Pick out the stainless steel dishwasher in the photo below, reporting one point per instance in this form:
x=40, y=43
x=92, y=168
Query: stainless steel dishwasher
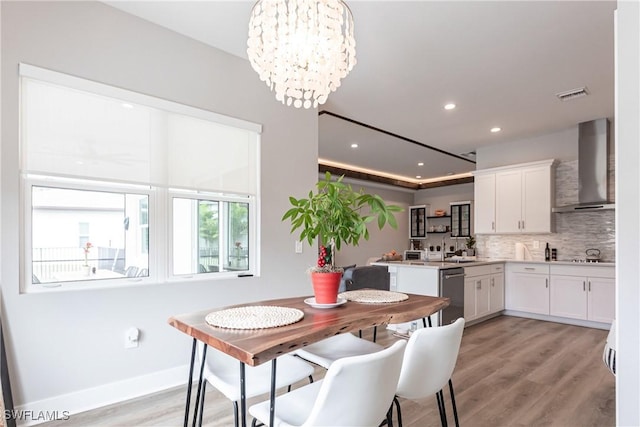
x=452, y=286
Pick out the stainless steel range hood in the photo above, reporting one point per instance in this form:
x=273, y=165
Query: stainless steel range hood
x=593, y=161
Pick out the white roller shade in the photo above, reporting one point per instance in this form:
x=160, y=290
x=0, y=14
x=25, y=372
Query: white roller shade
x=206, y=155
x=85, y=133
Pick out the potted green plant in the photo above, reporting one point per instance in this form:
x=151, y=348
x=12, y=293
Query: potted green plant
x=336, y=214
x=470, y=243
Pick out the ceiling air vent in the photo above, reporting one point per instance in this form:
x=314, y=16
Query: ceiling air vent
x=572, y=94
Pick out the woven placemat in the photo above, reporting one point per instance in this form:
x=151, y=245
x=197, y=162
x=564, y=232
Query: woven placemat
x=254, y=317
x=373, y=296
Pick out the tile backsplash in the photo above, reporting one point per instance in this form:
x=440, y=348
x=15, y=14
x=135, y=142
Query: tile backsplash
x=575, y=232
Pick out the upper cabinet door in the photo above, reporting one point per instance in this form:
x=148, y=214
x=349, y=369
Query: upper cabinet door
x=536, y=200
x=485, y=203
x=460, y=219
x=509, y=201
x=417, y=222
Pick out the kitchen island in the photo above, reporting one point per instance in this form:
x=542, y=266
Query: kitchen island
x=470, y=285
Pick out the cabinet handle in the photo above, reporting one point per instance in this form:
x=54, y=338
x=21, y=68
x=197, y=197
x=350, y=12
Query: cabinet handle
x=546, y=283
x=479, y=284
x=589, y=285
x=530, y=268
x=493, y=225
x=518, y=225
x=584, y=286
x=523, y=224
x=493, y=281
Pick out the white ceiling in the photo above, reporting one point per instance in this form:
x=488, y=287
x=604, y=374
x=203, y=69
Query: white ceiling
x=501, y=62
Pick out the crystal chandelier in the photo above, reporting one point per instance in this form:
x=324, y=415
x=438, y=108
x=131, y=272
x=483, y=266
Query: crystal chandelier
x=301, y=48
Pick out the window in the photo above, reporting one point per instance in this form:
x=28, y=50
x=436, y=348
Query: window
x=107, y=253
x=113, y=178
x=210, y=235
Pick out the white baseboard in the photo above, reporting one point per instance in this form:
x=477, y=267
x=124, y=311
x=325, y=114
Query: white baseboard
x=566, y=320
x=40, y=411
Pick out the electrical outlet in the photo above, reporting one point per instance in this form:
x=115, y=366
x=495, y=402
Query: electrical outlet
x=131, y=337
x=536, y=244
x=298, y=247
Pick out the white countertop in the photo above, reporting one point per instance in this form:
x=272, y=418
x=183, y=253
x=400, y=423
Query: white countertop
x=484, y=261
x=581, y=264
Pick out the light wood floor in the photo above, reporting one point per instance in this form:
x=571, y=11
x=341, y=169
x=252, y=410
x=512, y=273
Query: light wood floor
x=510, y=372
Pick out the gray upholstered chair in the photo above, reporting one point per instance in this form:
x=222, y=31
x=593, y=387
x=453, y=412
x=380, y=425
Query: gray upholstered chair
x=365, y=277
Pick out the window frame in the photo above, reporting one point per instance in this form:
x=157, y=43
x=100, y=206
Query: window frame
x=251, y=201
x=26, y=267
x=160, y=212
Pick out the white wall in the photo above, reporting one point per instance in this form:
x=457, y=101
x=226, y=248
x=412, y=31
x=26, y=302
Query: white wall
x=628, y=212
x=63, y=344
x=561, y=145
x=440, y=198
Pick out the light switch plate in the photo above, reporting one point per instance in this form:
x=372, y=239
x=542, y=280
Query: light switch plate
x=536, y=244
x=298, y=247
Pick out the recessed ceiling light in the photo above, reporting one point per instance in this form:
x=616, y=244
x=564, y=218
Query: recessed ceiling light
x=496, y=129
x=450, y=106
x=418, y=176
x=421, y=164
x=125, y=105
x=354, y=145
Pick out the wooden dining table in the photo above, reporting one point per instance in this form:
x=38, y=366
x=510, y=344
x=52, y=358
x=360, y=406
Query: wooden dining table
x=257, y=346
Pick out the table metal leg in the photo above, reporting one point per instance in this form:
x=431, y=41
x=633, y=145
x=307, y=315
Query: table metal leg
x=190, y=383
x=272, y=403
x=200, y=413
x=424, y=322
x=243, y=396
x=204, y=360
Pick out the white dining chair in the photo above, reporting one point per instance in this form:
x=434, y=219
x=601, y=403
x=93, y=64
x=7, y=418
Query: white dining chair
x=356, y=391
x=327, y=351
x=223, y=373
x=610, y=348
x=428, y=364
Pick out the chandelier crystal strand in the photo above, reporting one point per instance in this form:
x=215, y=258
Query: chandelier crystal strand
x=301, y=48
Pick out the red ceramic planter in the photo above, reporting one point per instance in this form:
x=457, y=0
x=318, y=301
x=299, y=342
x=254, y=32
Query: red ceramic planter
x=325, y=287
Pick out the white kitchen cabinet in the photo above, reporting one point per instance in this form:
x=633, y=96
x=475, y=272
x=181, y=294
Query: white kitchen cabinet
x=484, y=188
x=601, y=303
x=585, y=293
x=527, y=288
x=477, y=292
x=496, y=289
x=469, y=299
x=482, y=296
x=514, y=199
x=509, y=201
x=568, y=297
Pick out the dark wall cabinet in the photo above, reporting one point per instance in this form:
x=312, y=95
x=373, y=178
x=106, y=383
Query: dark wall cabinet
x=461, y=219
x=418, y=222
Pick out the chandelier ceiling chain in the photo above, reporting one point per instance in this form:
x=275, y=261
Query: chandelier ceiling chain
x=301, y=48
